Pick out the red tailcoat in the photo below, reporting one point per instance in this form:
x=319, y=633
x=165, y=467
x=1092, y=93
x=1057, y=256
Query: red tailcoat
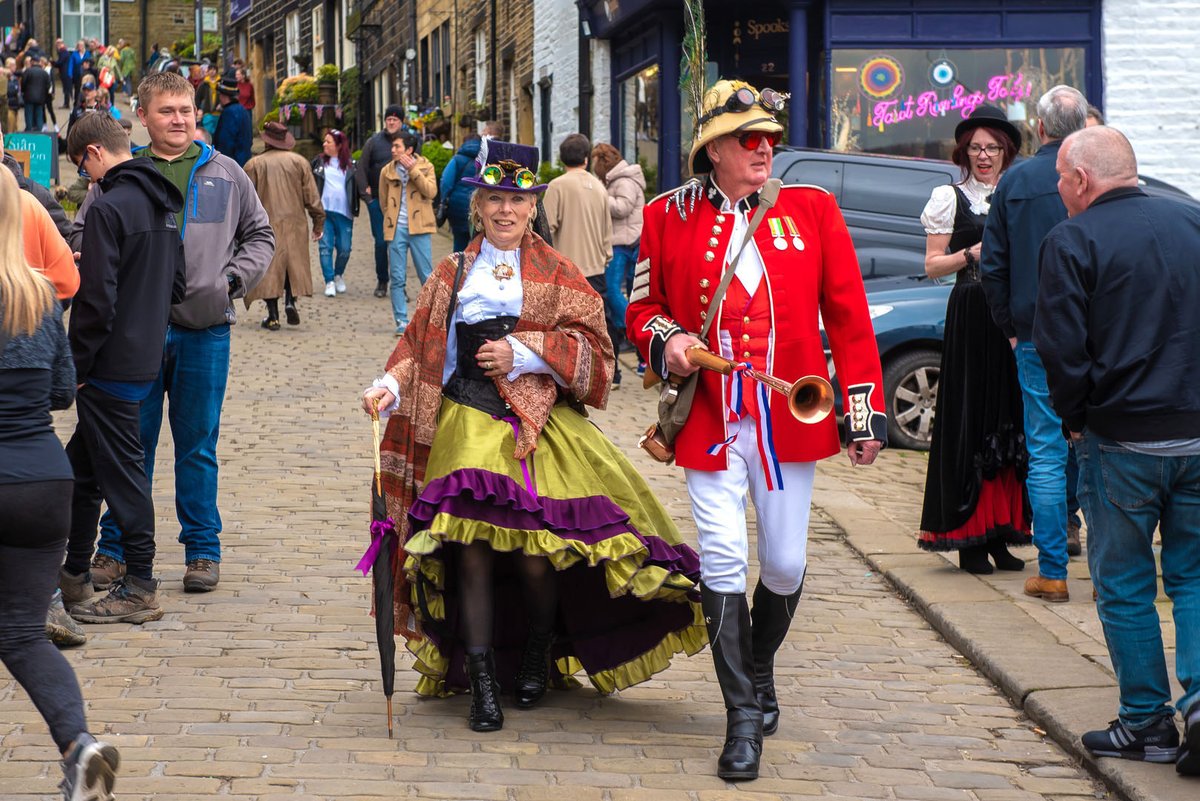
x=814, y=277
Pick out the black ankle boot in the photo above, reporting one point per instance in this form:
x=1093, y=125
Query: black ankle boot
x=771, y=616
x=728, y=620
x=975, y=560
x=485, y=714
x=1000, y=555
x=535, y=669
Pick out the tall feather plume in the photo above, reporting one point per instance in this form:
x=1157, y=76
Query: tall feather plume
x=482, y=158
x=695, y=55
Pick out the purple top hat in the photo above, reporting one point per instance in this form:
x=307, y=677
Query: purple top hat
x=506, y=166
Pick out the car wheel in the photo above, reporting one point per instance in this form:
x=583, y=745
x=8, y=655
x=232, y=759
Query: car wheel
x=910, y=384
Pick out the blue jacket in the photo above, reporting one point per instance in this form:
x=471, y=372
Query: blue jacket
x=1025, y=206
x=461, y=166
x=1117, y=327
x=76, y=64
x=234, y=133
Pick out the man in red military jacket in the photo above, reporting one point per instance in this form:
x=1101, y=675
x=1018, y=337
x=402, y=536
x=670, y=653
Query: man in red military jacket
x=798, y=273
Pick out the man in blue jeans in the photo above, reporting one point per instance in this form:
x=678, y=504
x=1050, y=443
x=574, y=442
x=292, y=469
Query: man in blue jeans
x=227, y=244
x=1117, y=330
x=1025, y=206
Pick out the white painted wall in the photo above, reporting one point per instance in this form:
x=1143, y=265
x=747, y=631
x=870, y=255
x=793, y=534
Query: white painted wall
x=556, y=57
x=1151, y=61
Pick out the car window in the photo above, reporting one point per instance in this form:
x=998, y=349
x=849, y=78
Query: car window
x=900, y=191
x=818, y=172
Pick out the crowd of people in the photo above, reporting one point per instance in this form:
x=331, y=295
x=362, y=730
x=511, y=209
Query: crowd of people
x=1065, y=343
x=573, y=564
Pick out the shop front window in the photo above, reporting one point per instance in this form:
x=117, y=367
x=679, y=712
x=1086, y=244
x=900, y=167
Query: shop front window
x=639, y=121
x=907, y=102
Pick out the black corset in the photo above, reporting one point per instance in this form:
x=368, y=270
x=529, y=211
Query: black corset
x=469, y=385
x=968, y=231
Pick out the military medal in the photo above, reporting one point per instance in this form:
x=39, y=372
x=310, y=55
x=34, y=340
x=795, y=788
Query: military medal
x=502, y=272
x=777, y=233
x=797, y=242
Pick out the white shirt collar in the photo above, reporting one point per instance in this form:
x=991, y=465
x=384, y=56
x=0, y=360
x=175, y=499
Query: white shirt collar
x=493, y=255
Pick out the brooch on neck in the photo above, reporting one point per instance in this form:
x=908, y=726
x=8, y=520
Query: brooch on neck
x=502, y=272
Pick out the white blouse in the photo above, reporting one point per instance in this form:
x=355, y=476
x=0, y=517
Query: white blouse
x=482, y=297
x=333, y=196
x=938, y=216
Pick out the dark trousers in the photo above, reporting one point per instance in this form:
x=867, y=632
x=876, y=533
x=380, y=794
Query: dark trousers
x=110, y=464
x=34, y=518
x=68, y=91
x=615, y=331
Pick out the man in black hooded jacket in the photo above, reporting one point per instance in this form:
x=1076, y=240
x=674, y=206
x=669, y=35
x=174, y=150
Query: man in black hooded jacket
x=131, y=271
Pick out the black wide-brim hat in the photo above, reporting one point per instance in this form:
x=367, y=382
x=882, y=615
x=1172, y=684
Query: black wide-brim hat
x=495, y=151
x=989, y=117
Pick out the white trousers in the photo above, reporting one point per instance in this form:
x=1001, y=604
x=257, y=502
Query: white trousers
x=719, y=508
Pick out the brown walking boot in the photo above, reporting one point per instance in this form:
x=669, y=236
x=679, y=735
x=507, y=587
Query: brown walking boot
x=106, y=570
x=1052, y=590
x=129, y=600
x=201, y=575
x=76, y=589
x=1074, y=543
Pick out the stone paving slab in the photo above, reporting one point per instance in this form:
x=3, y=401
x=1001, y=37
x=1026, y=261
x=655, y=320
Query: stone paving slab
x=268, y=688
x=1050, y=659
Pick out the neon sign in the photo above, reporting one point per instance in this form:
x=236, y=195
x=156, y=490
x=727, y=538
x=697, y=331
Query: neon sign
x=1008, y=88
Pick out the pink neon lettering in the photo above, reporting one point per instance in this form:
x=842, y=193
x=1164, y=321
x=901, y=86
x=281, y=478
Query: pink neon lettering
x=1008, y=88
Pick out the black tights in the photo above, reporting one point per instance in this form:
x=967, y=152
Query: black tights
x=288, y=299
x=477, y=589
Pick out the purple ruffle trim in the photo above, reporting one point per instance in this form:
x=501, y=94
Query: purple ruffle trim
x=475, y=494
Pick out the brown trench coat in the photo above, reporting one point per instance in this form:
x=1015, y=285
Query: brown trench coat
x=287, y=189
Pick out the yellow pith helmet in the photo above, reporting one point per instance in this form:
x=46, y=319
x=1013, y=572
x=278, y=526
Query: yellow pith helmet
x=726, y=111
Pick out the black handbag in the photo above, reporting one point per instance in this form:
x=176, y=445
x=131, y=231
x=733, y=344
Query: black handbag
x=678, y=392
x=442, y=212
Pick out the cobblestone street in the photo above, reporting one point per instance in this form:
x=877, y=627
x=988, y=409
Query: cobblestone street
x=268, y=688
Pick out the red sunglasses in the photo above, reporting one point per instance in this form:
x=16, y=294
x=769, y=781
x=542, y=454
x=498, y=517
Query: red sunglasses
x=753, y=139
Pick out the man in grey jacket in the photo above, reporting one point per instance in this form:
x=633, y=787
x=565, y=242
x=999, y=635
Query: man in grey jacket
x=228, y=244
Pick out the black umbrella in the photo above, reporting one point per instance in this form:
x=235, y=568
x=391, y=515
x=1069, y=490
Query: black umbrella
x=379, y=560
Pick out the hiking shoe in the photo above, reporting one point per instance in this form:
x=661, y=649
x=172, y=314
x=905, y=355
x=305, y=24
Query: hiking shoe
x=201, y=575
x=129, y=600
x=1158, y=742
x=61, y=628
x=105, y=569
x=1074, y=544
x=75, y=589
x=381, y=289
x=91, y=771
x=1189, y=751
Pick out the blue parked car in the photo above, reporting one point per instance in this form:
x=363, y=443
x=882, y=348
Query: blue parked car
x=881, y=198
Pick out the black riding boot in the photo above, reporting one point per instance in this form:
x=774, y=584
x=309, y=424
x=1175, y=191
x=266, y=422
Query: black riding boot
x=485, y=714
x=772, y=615
x=535, y=669
x=728, y=620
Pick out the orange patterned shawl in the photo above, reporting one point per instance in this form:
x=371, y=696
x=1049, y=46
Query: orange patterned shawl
x=562, y=320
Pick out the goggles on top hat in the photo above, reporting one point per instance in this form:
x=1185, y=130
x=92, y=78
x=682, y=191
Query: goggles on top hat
x=744, y=99
x=493, y=174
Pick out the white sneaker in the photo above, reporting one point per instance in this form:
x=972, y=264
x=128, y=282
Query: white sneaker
x=90, y=773
x=339, y=283
x=330, y=290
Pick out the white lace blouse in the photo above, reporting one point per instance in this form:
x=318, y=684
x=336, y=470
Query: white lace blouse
x=938, y=216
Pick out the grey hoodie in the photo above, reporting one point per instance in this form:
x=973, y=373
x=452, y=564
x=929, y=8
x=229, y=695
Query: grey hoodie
x=227, y=240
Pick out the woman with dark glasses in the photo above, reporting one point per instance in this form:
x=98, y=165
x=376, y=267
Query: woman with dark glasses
x=534, y=549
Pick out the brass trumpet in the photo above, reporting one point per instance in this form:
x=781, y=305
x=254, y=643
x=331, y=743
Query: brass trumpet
x=809, y=399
